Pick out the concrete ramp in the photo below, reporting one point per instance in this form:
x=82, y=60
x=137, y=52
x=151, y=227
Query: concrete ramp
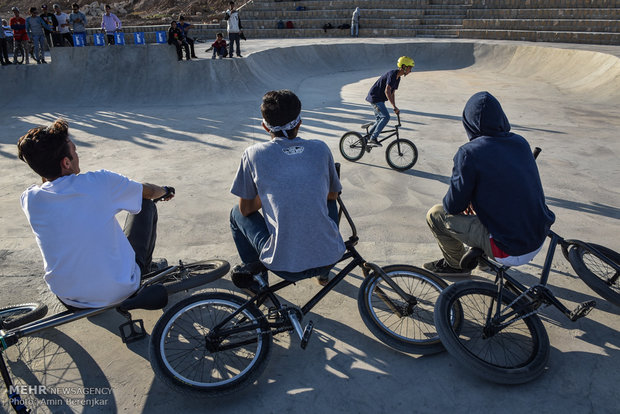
x=151, y=75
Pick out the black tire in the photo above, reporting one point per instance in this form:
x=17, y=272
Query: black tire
x=18, y=315
x=414, y=332
x=193, y=275
x=595, y=272
x=19, y=54
x=352, y=146
x=515, y=355
x=401, y=154
x=178, y=353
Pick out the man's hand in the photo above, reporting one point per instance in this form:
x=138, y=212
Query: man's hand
x=396, y=110
x=155, y=192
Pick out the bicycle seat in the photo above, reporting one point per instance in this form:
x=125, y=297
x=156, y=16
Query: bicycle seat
x=151, y=297
x=367, y=124
x=470, y=259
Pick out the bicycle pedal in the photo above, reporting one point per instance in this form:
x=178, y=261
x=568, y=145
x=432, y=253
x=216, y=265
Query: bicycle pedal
x=306, y=336
x=132, y=331
x=582, y=310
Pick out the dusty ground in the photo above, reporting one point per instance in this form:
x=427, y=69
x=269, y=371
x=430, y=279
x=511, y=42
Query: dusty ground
x=551, y=96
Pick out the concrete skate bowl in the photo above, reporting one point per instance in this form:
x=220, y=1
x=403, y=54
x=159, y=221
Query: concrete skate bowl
x=151, y=75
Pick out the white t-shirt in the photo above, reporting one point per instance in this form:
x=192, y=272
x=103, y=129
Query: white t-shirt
x=88, y=261
x=62, y=18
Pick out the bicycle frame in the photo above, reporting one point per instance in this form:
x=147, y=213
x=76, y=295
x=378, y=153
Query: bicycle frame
x=217, y=333
x=392, y=132
x=11, y=337
x=537, y=295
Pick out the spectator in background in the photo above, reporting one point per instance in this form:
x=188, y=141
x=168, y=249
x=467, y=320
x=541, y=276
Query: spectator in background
x=51, y=21
x=20, y=36
x=184, y=27
x=4, y=47
x=355, y=22
x=233, y=22
x=176, y=38
x=110, y=24
x=219, y=46
x=78, y=22
x=63, y=27
x=35, y=27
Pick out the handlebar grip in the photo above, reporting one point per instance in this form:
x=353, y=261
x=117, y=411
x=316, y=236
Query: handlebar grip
x=536, y=151
x=169, y=190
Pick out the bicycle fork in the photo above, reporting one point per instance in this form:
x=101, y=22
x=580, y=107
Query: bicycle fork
x=410, y=300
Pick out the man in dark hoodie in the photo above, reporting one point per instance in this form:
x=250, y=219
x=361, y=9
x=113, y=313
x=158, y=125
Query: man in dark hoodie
x=495, y=200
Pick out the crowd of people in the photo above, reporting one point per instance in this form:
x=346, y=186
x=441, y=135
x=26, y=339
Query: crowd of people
x=41, y=30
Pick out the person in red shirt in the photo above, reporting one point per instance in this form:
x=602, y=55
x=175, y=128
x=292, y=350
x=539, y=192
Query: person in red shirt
x=20, y=36
x=219, y=46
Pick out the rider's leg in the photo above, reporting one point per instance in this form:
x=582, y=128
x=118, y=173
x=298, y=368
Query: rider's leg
x=249, y=234
x=141, y=231
x=452, y=230
x=382, y=118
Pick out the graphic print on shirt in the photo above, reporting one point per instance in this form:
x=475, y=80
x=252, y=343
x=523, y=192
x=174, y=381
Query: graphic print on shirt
x=298, y=149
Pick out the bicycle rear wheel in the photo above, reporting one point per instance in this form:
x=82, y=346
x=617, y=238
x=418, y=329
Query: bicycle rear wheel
x=18, y=315
x=405, y=325
x=192, y=275
x=352, y=146
x=401, y=154
x=598, y=275
x=515, y=354
x=187, y=358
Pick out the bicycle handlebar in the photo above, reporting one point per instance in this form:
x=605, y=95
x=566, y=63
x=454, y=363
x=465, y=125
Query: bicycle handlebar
x=537, y=150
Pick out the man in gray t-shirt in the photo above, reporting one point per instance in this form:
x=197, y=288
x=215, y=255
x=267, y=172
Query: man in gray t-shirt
x=295, y=183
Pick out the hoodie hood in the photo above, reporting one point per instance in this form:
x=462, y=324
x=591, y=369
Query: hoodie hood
x=484, y=116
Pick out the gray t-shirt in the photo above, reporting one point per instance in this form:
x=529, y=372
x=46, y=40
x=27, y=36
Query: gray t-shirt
x=293, y=178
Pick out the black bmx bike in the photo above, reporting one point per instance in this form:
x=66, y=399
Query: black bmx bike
x=215, y=343
x=493, y=328
x=401, y=154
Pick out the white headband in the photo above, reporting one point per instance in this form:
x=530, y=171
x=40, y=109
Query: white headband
x=283, y=128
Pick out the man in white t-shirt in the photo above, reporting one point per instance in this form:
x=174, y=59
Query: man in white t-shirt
x=89, y=260
x=63, y=27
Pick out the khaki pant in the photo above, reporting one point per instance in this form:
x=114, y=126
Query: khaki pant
x=454, y=230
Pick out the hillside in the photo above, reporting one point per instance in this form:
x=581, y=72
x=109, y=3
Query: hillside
x=138, y=12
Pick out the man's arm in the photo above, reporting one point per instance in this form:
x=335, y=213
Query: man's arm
x=390, y=94
x=152, y=191
x=248, y=207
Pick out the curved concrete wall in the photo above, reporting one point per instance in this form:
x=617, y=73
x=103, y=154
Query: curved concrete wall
x=151, y=75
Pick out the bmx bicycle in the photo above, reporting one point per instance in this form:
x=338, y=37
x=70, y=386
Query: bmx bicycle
x=493, y=328
x=24, y=320
x=215, y=343
x=401, y=154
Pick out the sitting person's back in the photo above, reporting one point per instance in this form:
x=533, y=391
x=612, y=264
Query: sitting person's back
x=293, y=180
x=89, y=260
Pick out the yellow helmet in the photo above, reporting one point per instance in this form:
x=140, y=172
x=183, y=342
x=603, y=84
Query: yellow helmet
x=405, y=61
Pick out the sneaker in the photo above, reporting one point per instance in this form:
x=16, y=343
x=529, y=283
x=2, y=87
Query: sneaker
x=242, y=276
x=441, y=268
x=375, y=143
x=157, y=265
x=322, y=280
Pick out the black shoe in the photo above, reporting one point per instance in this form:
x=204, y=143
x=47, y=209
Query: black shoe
x=243, y=276
x=441, y=268
x=194, y=57
x=157, y=265
x=373, y=142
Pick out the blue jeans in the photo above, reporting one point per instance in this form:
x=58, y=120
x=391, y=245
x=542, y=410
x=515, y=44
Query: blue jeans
x=39, y=47
x=250, y=235
x=382, y=118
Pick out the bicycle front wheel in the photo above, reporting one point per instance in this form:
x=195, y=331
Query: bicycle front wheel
x=192, y=275
x=401, y=154
x=187, y=356
x=352, y=146
x=405, y=324
x=600, y=276
x=18, y=315
x=514, y=353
